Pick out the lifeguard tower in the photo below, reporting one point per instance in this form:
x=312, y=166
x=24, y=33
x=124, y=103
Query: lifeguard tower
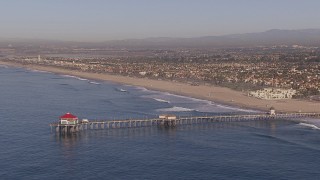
x=272, y=111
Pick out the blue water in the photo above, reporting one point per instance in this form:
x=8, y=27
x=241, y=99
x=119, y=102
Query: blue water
x=30, y=100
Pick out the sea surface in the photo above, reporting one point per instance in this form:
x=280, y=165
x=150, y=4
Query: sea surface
x=30, y=100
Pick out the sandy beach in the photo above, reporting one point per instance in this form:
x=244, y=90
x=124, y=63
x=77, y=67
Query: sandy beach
x=213, y=93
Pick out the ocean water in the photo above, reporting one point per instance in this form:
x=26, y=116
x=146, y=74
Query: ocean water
x=30, y=100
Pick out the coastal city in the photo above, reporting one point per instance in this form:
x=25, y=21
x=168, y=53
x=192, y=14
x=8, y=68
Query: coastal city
x=276, y=72
x=160, y=90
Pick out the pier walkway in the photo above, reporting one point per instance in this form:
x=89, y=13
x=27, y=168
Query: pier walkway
x=134, y=123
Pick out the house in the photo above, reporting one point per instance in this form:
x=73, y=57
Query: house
x=68, y=118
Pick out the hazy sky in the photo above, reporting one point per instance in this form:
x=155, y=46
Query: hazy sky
x=98, y=20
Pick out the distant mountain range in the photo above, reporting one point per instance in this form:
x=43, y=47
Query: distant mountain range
x=307, y=37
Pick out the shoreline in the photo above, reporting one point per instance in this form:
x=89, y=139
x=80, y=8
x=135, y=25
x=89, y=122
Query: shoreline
x=220, y=95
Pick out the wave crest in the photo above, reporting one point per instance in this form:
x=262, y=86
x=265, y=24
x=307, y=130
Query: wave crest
x=92, y=82
x=175, y=109
x=309, y=125
x=161, y=100
x=76, y=77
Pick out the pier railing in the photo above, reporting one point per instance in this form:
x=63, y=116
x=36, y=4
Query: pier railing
x=134, y=123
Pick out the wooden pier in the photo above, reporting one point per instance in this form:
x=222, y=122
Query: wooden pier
x=167, y=122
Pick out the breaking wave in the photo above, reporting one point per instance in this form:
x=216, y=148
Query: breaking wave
x=192, y=103
x=76, y=77
x=92, y=82
x=237, y=109
x=309, y=125
x=175, y=109
x=41, y=71
x=161, y=100
x=143, y=89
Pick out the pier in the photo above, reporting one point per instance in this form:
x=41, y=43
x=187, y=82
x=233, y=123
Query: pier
x=70, y=124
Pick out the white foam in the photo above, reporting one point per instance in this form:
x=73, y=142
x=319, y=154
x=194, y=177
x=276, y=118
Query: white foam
x=309, y=125
x=193, y=103
x=140, y=88
x=121, y=90
x=76, y=77
x=161, y=100
x=175, y=109
x=207, y=102
x=237, y=109
x=34, y=70
x=92, y=82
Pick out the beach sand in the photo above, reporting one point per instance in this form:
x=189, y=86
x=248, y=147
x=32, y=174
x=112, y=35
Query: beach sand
x=213, y=93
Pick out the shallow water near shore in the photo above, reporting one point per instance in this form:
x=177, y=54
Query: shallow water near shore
x=30, y=100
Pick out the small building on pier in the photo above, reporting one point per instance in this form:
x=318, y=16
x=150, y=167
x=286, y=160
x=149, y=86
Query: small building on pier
x=168, y=116
x=272, y=111
x=68, y=119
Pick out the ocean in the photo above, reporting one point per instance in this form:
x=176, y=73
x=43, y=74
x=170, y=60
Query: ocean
x=31, y=100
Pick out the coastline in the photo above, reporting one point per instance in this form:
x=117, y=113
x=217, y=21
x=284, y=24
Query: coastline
x=216, y=94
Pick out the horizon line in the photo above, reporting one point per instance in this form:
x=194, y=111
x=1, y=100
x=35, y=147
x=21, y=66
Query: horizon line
x=144, y=38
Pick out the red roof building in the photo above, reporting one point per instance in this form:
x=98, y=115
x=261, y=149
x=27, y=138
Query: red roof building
x=68, y=118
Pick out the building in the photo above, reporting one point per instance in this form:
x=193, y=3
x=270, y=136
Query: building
x=272, y=111
x=272, y=93
x=167, y=116
x=69, y=119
